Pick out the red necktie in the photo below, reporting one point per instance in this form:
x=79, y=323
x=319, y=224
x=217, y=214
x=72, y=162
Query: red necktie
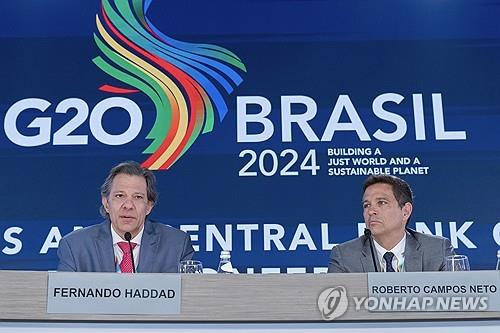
x=126, y=264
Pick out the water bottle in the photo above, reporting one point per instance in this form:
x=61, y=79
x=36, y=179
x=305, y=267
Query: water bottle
x=498, y=260
x=225, y=266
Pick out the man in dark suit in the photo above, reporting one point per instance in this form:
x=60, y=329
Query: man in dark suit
x=387, y=206
x=127, y=195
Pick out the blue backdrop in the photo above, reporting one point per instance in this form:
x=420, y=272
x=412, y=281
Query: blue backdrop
x=330, y=91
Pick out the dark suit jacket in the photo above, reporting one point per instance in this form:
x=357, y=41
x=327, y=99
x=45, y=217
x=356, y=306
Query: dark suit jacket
x=91, y=249
x=422, y=253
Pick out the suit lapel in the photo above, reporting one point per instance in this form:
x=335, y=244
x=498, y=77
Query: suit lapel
x=413, y=254
x=149, y=248
x=366, y=257
x=104, y=249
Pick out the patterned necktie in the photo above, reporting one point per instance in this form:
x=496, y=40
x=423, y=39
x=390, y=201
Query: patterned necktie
x=126, y=264
x=388, y=261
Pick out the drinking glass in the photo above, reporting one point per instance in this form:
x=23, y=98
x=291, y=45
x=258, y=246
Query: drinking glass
x=191, y=266
x=457, y=263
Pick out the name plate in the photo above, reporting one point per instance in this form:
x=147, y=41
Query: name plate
x=112, y=293
x=434, y=291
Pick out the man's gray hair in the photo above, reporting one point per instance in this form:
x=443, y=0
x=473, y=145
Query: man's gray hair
x=131, y=168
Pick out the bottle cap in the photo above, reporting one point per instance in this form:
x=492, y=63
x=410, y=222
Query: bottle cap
x=227, y=267
x=225, y=254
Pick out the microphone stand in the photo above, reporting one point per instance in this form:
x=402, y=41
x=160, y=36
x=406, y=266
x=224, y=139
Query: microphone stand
x=128, y=237
x=368, y=234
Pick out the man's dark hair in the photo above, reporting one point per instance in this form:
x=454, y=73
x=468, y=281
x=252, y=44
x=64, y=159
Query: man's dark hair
x=131, y=168
x=400, y=188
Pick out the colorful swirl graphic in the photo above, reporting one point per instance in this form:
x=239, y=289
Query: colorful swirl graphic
x=185, y=81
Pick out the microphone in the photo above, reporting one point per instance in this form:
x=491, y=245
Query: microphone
x=128, y=237
x=368, y=234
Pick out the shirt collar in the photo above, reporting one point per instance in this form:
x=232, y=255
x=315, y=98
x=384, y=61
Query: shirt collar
x=117, y=238
x=397, y=250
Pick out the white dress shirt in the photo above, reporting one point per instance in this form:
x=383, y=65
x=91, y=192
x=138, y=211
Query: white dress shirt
x=398, y=251
x=119, y=253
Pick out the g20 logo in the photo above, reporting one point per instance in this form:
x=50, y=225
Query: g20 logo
x=187, y=84
x=65, y=134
